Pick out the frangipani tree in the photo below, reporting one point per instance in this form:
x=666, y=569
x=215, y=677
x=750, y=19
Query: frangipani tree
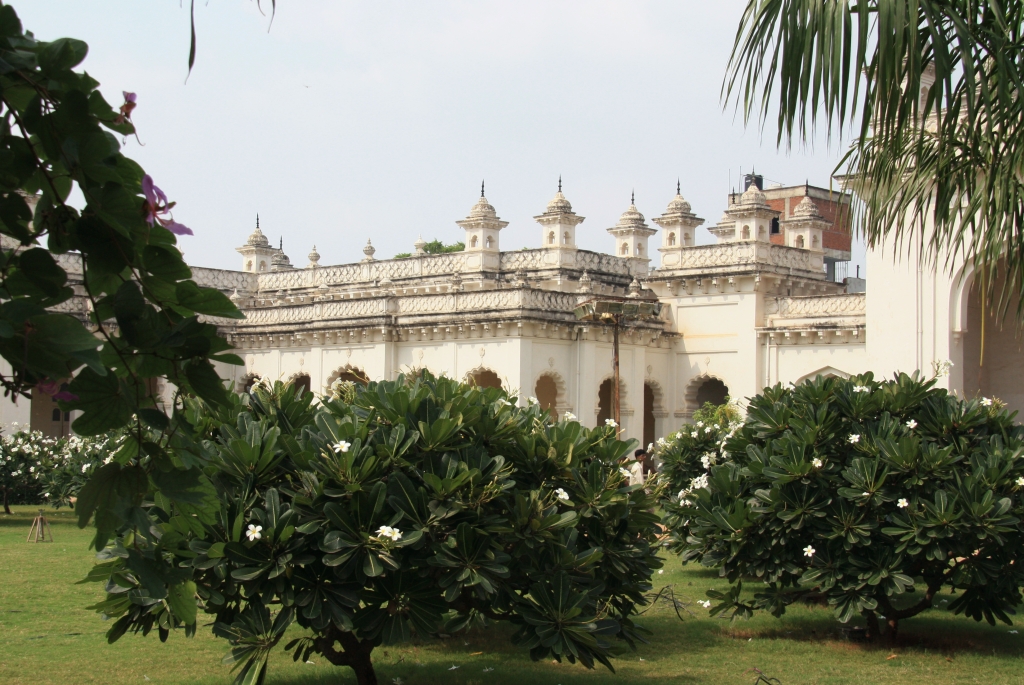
x=416, y=506
x=874, y=495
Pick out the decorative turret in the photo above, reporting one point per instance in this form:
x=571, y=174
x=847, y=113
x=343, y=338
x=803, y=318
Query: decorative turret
x=631, y=236
x=257, y=254
x=804, y=228
x=748, y=219
x=559, y=222
x=678, y=229
x=280, y=261
x=419, y=245
x=314, y=259
x=482, y=227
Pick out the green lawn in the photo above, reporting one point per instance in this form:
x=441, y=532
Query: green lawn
x=46, y=636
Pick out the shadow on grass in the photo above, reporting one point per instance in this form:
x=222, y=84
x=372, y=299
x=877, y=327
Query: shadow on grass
x=934, y=632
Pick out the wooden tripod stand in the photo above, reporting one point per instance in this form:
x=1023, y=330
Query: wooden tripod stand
x=40, y=527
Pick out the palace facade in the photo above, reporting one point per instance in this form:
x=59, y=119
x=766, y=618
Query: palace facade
x=768, y=302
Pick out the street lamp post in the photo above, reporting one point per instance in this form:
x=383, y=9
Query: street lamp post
x=616, y=312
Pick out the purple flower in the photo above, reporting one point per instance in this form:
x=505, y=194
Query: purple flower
x=126, y=109
x=52, y=388
x=158, y=209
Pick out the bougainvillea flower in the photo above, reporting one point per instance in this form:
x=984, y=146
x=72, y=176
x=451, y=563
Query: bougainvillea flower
x=52, y=388
x=158, y=209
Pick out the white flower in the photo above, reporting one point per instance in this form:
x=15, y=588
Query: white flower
x=700, y=424
x=624, y=472
x=85, y=467
x=708, y=429
x=865, y=494
x=108, y=459
x=342, y=447
x=902, y=503
x=699, y=482
x=705, y=461
x=532, y=400
x=809, y=551
x=610, y=422
x=253, y=533
x=706, y=603
x=986, y=401
x=561, y=494
x=569, y=416
x=854, y=439
x=860, y=388
x=693, y=434
x=1020, y=481
x=650, y=447
x=941, y=368
x=817, y=463
x=662, y=442
x=911, y=424
x=660, y=571
x=388, y=532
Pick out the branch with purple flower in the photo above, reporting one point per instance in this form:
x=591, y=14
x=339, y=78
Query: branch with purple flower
x=158, y=209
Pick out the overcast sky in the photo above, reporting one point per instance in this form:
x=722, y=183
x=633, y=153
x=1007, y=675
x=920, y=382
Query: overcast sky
x=378, y=119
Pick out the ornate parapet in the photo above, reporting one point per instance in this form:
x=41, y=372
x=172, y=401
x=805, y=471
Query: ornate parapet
x=727, y=257
x=846, y=310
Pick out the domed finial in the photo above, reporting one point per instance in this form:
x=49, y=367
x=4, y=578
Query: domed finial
x=257, y=221
x=481, y=188
x=368, y=250
x=280, y=245
x=632, y=197
x=314, y=258
x=419, y=245
x=678, y=187
x=559, y=182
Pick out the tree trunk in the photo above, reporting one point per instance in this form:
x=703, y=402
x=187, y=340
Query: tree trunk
x=355, y=654
x=7, y=508
x=871, y=624
x=893, y=625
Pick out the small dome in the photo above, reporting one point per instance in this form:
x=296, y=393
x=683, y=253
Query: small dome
x=257, y=239
x=807, y=209
x=314, y=256
x=280, y=260
x=559, y=205
x=753, y=196
x=483, y=209
x=631, y=217
x=368, y=250
x=419, y=245
x=678, y=205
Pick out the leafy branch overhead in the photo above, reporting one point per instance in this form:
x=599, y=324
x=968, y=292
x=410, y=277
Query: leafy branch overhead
x=929, y=90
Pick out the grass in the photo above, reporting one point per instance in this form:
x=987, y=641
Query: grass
x=49, y=637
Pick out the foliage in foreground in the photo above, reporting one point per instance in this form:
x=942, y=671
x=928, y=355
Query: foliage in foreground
x=686, y=455
x=870, y=495
x=420, y=506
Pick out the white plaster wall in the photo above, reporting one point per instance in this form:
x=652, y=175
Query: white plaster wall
x=13, y=409
x=791, y=363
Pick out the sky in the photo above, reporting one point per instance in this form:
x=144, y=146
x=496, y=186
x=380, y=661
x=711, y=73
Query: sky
x=346, y=121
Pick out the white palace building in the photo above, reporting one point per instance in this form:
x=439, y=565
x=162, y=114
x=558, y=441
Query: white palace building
x=766, y=303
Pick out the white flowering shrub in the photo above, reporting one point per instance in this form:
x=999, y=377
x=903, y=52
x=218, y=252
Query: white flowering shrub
x=417, y=506
x=685, y=457
x=872, y=495
x=35, y=469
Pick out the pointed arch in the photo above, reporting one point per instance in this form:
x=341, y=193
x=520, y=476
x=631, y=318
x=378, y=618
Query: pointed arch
x=693, y=398
x=826, y=371
x=247, y=381
x=550, y=391
x=484, y=377
x=603, y=406
x=347, y=373
x=302, y=379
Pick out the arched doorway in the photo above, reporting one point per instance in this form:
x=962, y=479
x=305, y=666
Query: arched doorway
x=546, y=392
x=302, y=381
x=649, y=425
x=712, y=390
x=484, y=378
x=1000, y=372
x=46, y=416
x=604, y=402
